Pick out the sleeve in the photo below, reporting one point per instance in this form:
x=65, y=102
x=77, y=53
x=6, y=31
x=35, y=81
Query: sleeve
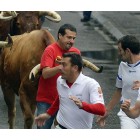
x=97, y=109
x=119, y=77
x=47, y=58
x=95, y=91
x=54, y=107
x=73, y=49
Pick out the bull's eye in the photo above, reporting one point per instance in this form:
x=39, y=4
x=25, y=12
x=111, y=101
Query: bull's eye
x=37, y=25
x=28, y=17
x=18, y=24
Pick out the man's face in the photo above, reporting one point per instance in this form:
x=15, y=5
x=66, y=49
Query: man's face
x=124, y=54
x=67, y=41
x=67, y=70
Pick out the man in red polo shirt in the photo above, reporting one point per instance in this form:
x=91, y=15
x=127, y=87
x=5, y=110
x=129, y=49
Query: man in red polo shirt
x=47, y=91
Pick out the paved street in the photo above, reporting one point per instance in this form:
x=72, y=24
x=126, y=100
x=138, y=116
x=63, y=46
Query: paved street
x=96, y=45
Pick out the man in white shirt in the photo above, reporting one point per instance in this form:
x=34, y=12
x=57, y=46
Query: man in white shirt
x=128, y=75
x=79, y=97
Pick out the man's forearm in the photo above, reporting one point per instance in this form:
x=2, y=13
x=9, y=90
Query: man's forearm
x=114, y=101
x=97, y=109
x=133, y=113
x=50, y=72
x=54, y=107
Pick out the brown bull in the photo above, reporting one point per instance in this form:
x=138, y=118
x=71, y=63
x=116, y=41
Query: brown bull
x=17, y=23
x=16, y=64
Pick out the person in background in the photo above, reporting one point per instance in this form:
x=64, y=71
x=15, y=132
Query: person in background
x=47, y=91
x=86, y=16
x=126, y=82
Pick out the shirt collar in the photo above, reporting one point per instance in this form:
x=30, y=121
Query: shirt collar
x=134, y=65
x=78, y=80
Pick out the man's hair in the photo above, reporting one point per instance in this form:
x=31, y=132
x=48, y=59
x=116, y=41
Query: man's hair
x=75, y=59
x=130, y=42
x=63, y=28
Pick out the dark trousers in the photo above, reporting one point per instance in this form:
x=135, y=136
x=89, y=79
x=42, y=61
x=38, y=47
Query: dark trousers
x=87, y=15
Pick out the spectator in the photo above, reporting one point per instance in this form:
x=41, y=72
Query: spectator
x=86, y=16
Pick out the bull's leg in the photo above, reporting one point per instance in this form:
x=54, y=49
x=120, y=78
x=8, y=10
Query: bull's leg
x=28, y=108
x=9, y=97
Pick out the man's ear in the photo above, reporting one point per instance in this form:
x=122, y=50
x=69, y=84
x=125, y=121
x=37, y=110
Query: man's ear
x=59, y=35
x=128, y=50
x=75, y=67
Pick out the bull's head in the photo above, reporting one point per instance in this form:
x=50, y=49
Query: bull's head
x=27, y=21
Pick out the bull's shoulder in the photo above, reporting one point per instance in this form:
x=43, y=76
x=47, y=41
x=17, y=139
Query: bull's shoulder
x=19, y=37
x=43, y=35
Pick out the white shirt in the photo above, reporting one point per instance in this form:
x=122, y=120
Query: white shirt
x=84, y=88
x=138, y=95
x=127, y=74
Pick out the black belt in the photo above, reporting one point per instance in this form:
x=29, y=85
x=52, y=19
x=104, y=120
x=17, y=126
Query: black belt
x=62, y=126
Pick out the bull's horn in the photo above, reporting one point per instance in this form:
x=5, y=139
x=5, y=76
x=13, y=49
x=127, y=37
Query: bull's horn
x=86, y=63
x=2, y=17
x=51, y=15
x=6, y=18
x=8, y=43
x=92, y=66
x=12, y=13
x=34, y=72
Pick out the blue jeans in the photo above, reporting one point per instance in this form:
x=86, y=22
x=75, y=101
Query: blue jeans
x=42, y=108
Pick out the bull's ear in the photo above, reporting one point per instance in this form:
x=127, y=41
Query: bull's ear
x=7, y=43
x=10, y=40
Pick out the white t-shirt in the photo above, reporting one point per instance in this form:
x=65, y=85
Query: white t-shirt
x=84, y=88
x=127, y=74
x=138, y=95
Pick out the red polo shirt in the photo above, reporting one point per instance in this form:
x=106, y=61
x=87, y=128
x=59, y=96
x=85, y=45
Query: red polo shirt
x=47, y=91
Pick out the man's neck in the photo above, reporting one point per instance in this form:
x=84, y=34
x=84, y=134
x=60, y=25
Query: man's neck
x=60, y=45
x=73, y=78
x=134, y=59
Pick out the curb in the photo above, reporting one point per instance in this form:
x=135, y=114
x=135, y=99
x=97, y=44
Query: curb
x=107, y=25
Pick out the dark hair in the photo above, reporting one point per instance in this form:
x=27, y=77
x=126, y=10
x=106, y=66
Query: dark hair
x=130, y=42
x=64, y=27
x=75, y=59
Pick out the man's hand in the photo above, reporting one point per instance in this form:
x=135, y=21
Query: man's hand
x=41, y=119
x=76, y=101
x=101, y=120
x=125, y=106
x=58, y=59
x=136, y=85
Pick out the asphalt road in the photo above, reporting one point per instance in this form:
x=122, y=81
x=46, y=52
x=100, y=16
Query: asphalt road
x=97, y=48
